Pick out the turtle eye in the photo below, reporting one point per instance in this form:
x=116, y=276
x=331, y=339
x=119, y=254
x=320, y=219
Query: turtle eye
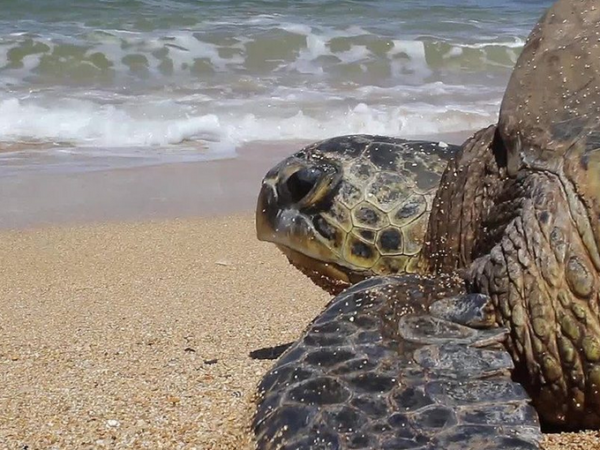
x=302, y=182
x=301, y=185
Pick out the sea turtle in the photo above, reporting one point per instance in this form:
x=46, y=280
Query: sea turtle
x=501, y=314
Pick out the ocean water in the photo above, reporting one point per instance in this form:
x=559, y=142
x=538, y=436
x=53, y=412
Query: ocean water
x=83, y=82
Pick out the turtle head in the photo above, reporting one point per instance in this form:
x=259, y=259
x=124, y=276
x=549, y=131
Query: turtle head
x=294, y=198
x=342, y=212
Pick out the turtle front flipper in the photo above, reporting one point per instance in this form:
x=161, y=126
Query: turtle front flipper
x=377, y=370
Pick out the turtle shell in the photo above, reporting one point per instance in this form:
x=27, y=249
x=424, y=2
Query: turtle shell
x=550, y=114
x=550, y=104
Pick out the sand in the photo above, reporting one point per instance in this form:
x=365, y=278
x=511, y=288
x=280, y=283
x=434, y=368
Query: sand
x=57, y=196
x=136, y=335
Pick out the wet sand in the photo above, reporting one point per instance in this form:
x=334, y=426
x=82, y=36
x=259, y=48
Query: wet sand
x=182, y=190
x=37, y=198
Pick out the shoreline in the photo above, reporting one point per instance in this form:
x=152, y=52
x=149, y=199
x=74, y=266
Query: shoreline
x=161, y=191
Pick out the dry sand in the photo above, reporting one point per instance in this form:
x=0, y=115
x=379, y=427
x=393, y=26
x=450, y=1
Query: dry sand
x=136, y=335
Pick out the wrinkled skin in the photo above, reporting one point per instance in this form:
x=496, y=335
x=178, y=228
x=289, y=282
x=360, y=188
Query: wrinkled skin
x=516, y=215
x=529, y=237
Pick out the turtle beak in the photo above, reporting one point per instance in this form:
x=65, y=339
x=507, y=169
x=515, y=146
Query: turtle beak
x=267, y=212
x=292, y=186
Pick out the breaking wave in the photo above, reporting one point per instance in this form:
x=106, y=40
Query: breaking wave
x=194, y=79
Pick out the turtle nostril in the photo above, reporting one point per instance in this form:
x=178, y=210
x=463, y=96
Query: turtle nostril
x=300, y=183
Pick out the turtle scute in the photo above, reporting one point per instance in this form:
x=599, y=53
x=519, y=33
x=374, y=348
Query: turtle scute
x=421, y=382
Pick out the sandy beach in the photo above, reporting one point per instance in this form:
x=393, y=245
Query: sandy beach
x=133, y=139
x=136, y=335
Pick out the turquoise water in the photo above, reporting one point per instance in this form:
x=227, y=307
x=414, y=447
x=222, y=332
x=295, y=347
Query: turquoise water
x=191, y=80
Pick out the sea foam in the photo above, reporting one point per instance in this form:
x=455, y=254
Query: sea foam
x=194, y=80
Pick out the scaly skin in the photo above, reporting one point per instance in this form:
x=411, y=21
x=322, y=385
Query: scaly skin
x=465, y=195
x=545, y=289
x=529, y=221
x=538, y=271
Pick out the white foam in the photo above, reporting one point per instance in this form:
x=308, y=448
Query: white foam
x=87, y=124
x=410, y=120
x=516, y=43
x=454, y=52
x=169, y=106
x=355, y=54
x=409, y=56
x=296, y=28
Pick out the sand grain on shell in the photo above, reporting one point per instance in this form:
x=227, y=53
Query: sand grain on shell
x=137, y=335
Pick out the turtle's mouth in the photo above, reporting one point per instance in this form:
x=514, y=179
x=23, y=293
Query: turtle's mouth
x=290, y=196
x=328, y=276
